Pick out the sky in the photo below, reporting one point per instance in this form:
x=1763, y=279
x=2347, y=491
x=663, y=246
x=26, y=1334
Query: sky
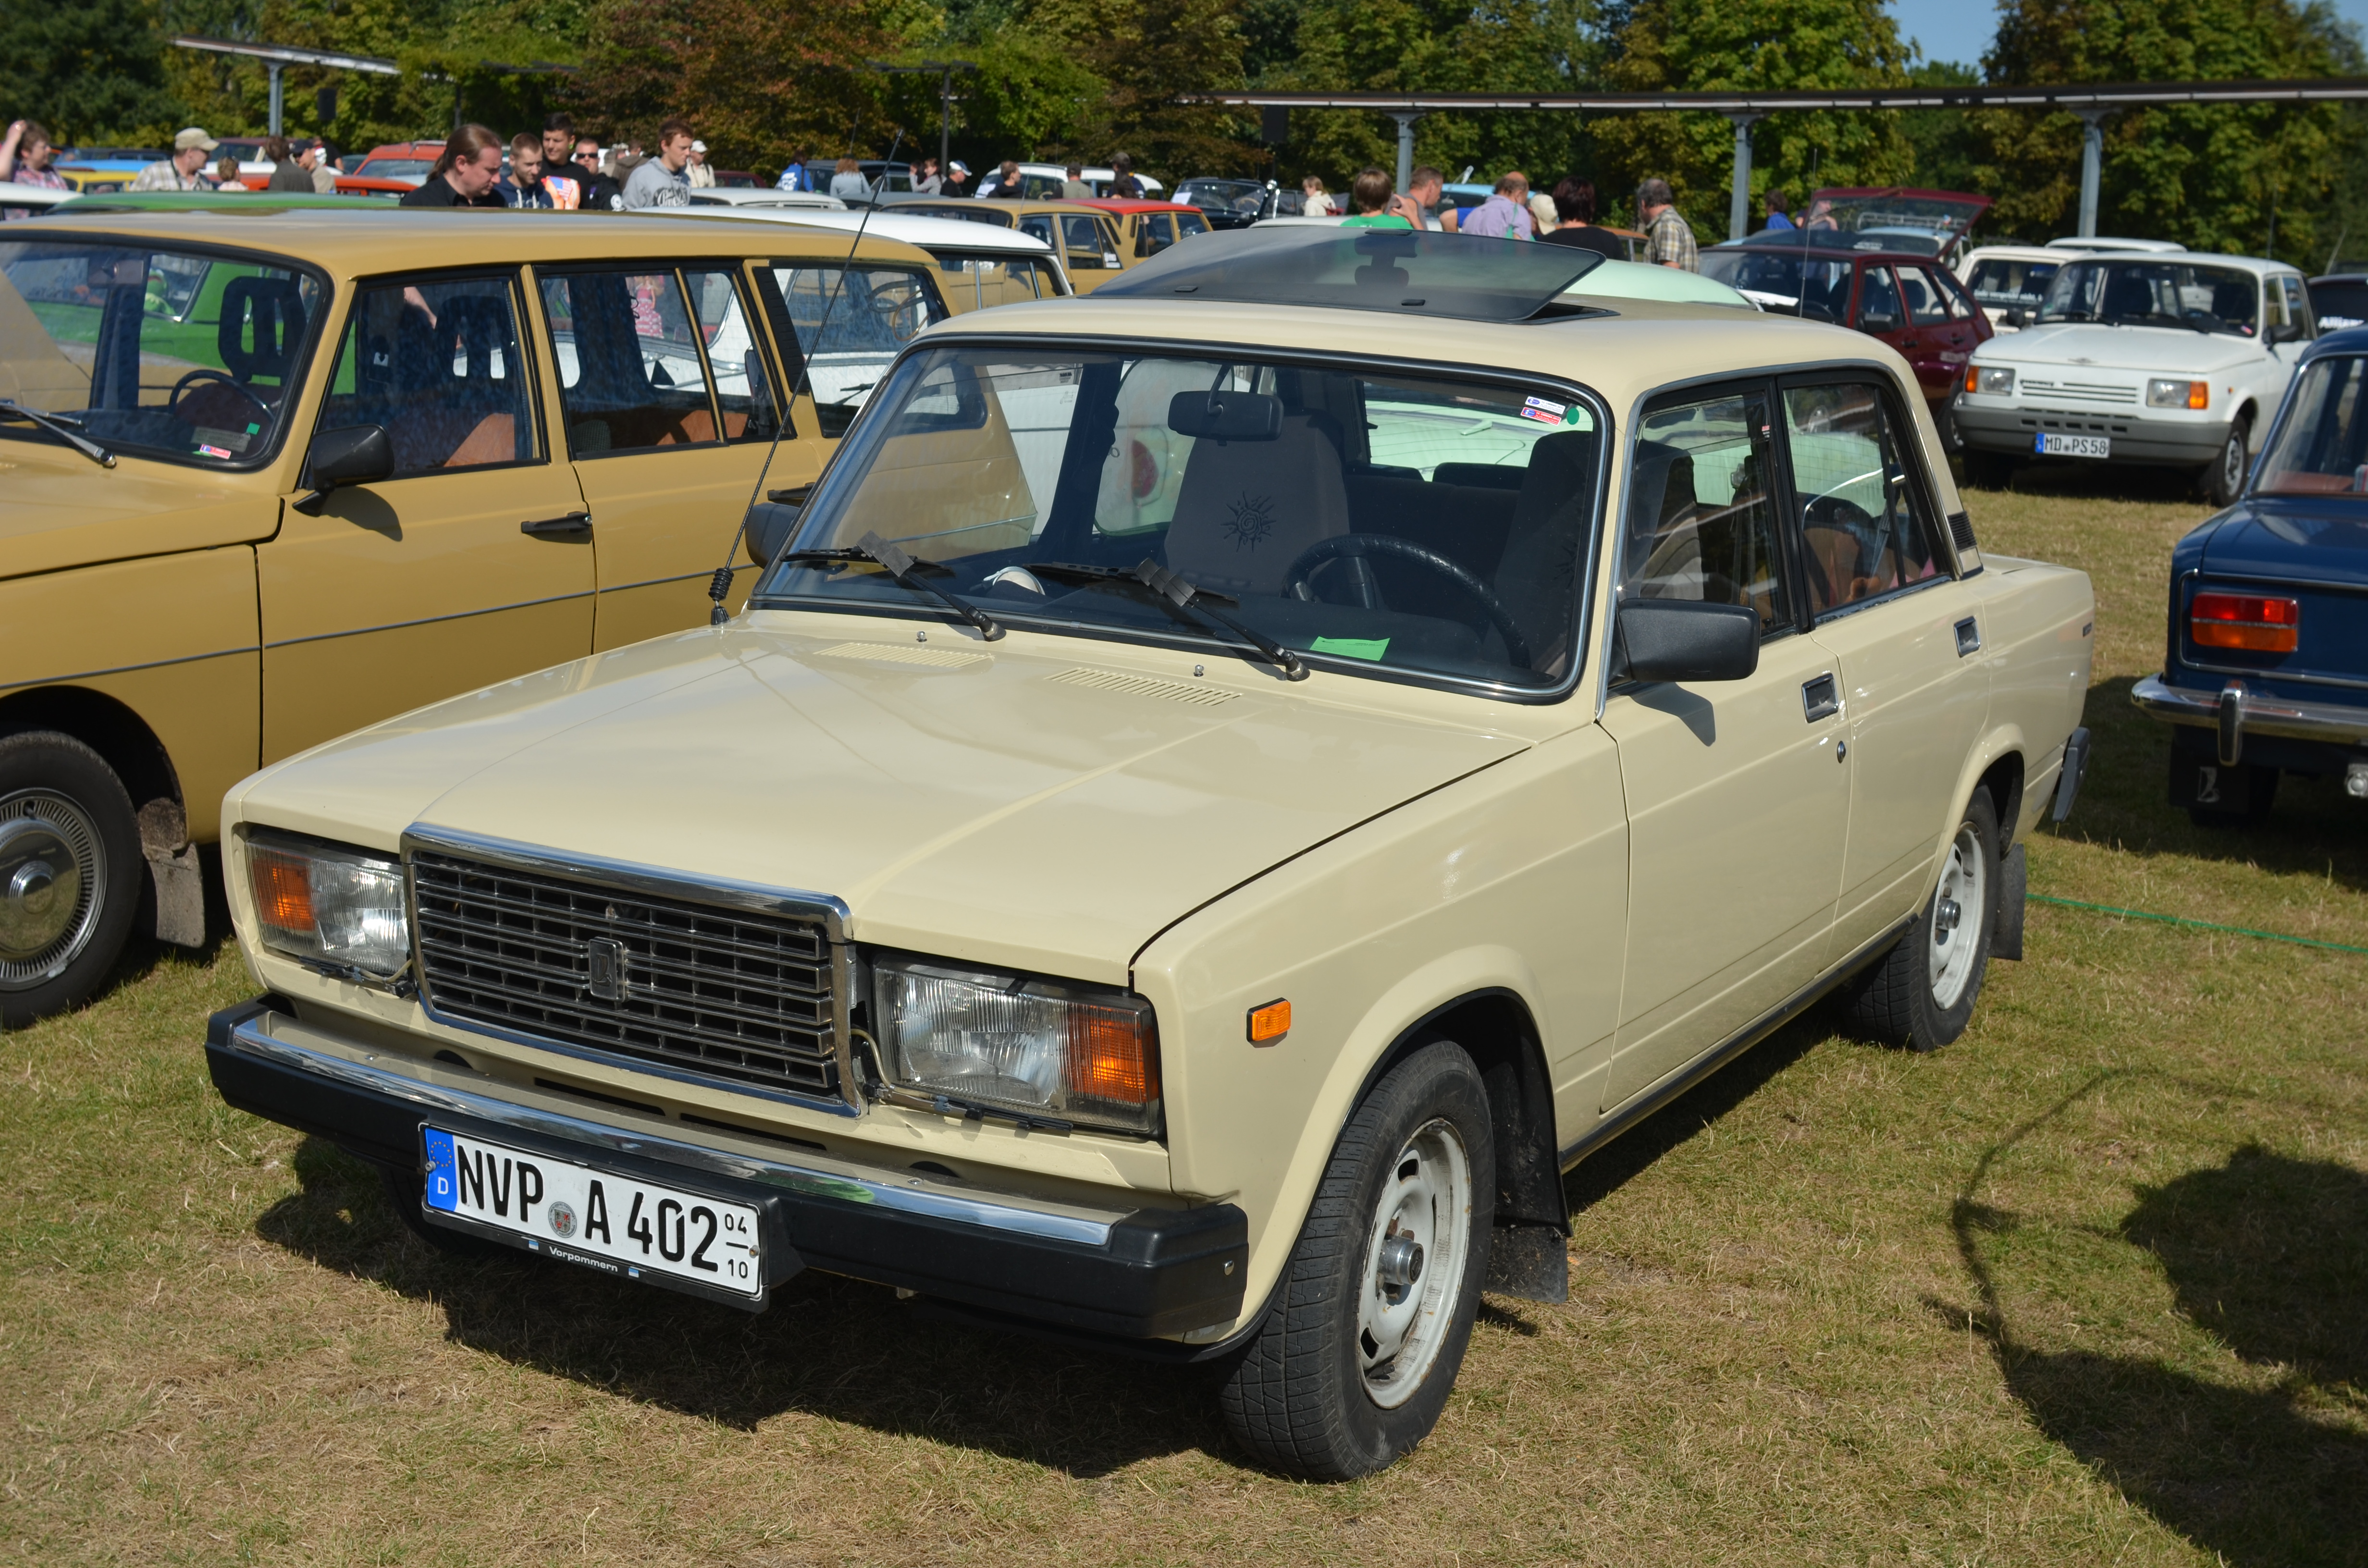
x=1961, y=29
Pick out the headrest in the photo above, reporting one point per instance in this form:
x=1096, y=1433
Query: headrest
x=276, y=310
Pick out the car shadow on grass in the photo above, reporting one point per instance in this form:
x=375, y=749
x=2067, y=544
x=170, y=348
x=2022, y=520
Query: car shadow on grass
x=2268, y=1255
x=2109, y=481
x=826, y=1346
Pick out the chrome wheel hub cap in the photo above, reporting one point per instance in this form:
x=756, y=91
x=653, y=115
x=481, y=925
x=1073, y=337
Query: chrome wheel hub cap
x=1415, y=1255
x=52, y=868
x=1957, y=911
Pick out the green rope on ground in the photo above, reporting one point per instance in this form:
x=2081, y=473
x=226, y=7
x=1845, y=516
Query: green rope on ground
x=2199, y=925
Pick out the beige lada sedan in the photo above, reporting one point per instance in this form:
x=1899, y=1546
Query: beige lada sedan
x=1196, y=830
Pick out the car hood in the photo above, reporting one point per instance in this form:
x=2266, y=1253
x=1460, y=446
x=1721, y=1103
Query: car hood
x=2319, y=542
x=58, y=509
x=1047, y=805
x=2145, y=349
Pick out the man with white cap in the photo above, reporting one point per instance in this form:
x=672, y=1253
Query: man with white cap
x=179, y=172
x=702, y=173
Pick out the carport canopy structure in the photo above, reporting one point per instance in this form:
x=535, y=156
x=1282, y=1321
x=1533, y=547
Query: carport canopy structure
x=278, y=57
x=2092, y=101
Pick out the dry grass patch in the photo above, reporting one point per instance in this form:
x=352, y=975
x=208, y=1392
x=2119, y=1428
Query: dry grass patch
x=2089, y=1286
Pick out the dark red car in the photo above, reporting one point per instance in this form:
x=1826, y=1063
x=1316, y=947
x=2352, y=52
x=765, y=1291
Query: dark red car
x=1912, y=302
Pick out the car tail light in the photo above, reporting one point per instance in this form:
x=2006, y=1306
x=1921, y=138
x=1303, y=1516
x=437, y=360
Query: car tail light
x=2251, y=622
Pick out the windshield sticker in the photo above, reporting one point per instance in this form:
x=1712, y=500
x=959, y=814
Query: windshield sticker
x=1554, y=409
x=206, y=451
x=236, y=442
x=1368, y=648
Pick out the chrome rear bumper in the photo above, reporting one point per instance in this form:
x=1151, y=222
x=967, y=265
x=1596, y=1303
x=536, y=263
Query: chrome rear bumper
x=2235, y=711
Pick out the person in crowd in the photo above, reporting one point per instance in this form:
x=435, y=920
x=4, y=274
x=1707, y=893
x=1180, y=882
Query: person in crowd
x=464, y=174
x=1074, y=187
x=927, y=181
x=1124, y=185
x=846, y=182
x=1425, y=189
x=287, y=172
x=25, y=156
x=600, y=191
x=957, y=178
x=561, y=180
x=225, y=175
x=700, y=173
x=1313, y=202
x=1505, y=214
x=524, y=185
x=1668, y=238
x=1821, y=216
x=1779, y=212
x=1542, y=214
x=794, y=174
x=1573, y=204
x=320, y=163
x=179, y=172
x=664, y=180
x=1377, y=207
x=1005, y=184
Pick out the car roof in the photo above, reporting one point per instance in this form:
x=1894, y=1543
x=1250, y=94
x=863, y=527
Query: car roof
x=2252, y=264
x=2343, y=340
x=1015, y=204
x=2023, y=253
x=913, y=228
x=1760, y=242
x=402, y=148
x=365, y=241
x=1133, y=204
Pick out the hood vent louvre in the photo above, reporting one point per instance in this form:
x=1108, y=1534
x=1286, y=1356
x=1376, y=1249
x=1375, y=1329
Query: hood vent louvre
x=1144, y=686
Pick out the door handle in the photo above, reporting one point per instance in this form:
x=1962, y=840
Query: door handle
x=1820, y=698
x=550, y=527
x=1969, y=637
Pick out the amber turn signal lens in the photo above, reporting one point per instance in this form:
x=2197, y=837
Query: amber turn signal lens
x=1269, y=1023
x=1113, y=1055
x=283, y=891
x=2254, y=622
x=2199, y=395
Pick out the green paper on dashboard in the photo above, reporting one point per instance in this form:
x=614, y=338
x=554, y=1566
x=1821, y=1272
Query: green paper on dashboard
x=1352, y=647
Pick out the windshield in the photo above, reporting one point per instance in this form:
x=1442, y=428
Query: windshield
x=1790, y=284
x=1238, y=196
x=1377, y=522
x=395, y=168
x=2322, y=447
x=2124, y=292
x=173, y=354
x=1934, y=214
x=2005, y=283
x=2339, y=303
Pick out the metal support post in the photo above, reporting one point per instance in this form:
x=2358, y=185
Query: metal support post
x=275, y=69
x=945, y=119
x=1738, y=201
x=1406, y=149
x=2092, y=159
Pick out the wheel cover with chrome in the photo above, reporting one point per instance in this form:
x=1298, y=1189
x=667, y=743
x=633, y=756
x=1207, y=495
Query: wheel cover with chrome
x=2232, y=463
x=1959, y=907
x=52, y=870
x=1415, y=1257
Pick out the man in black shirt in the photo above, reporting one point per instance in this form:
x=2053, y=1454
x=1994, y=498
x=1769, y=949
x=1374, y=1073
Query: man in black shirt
x=1574, y=201
x=466, y=174
x=602, y=193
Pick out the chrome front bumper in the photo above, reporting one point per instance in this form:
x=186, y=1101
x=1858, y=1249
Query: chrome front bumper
x=2235, y=712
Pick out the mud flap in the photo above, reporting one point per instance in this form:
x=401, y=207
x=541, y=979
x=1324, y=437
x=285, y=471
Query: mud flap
x=174, y=872
x=2014, y=886
x=1530, y=1261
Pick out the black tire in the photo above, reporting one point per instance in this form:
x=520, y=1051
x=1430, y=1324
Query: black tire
x=404, y=1189
x=1302, y=1397
x=1988, y=470
x=2223, y=480
x=66, y=833
x=1952, y=441
x=1903, y=999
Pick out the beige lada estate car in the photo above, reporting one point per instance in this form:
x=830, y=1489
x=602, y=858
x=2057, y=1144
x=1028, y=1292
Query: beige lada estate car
x=1195, y=830
x=271, y=474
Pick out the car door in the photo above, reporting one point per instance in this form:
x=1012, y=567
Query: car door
x=1736, y=810
x=1906, y=633
x=469, y=565
x=667, y=398
x=1877, y=311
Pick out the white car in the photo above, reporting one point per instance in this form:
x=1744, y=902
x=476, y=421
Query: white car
x=2170, y=358
x=2009, y=281
x=749, y=195
x=1043, y=182
x=978, y=264
x=2131, y=247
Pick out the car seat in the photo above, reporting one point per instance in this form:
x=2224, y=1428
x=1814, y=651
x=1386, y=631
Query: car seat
x=1537, y=580
x=1249, y=508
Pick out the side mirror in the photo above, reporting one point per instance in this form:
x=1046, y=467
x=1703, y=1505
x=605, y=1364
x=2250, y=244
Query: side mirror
x=1685, y=641
x=2289, y=332
x=771, y=524
x=350, y=454
x=2016, y=318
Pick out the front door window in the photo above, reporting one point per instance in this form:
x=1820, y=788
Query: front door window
x=1701, y=521
x=435, y=361
x=1878, y=301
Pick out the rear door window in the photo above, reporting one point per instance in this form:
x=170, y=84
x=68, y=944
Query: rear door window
x=628, y=350
x=1927, y=306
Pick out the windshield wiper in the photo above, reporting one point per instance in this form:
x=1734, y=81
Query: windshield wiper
x=902, y=567
x=11, y=409
x=1151, y=578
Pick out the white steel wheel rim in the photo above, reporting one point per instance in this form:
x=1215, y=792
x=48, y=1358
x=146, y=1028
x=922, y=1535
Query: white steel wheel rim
x=1957, y=912
x=1416, y=1249
x=52, y=870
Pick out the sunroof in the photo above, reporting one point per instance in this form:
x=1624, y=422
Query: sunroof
x=1402, y=271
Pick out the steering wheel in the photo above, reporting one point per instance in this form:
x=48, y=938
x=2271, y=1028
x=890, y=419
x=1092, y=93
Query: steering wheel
x=1343, y=546
x=895, y=298
x=174, y=401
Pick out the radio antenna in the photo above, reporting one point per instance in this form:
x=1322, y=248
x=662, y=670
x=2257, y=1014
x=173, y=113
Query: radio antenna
x=719, y=587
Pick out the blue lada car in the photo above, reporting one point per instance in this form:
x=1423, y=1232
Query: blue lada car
x=2265, y=671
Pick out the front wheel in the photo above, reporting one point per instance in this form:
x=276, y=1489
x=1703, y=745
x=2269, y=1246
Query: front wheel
x=1921, y=994
x=2224, y=480
x=70, y=870
x=1375, y=1307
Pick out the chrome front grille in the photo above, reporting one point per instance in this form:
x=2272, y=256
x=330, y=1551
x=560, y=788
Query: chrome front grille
x=2084, y=392
x=728, y=993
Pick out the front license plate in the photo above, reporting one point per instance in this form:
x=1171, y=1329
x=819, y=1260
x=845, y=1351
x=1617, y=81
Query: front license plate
x=618, y=1224
x=2050, y=446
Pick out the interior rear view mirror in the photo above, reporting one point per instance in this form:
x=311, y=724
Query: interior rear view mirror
x=1226, y=415
x=1682, y=640
x=350, y=454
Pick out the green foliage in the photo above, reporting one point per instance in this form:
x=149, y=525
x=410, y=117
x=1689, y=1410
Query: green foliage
x=1145, y=53
x=92, y=72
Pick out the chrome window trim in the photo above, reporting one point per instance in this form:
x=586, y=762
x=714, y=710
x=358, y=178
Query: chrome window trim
x=908, y=1193
x=950, y=334
x=597, y=870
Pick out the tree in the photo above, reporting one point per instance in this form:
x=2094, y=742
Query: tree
x=2224, y=177
x=1145, y=53
x=92, y=72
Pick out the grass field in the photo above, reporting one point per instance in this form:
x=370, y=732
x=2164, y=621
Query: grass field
x=2090, y=1286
